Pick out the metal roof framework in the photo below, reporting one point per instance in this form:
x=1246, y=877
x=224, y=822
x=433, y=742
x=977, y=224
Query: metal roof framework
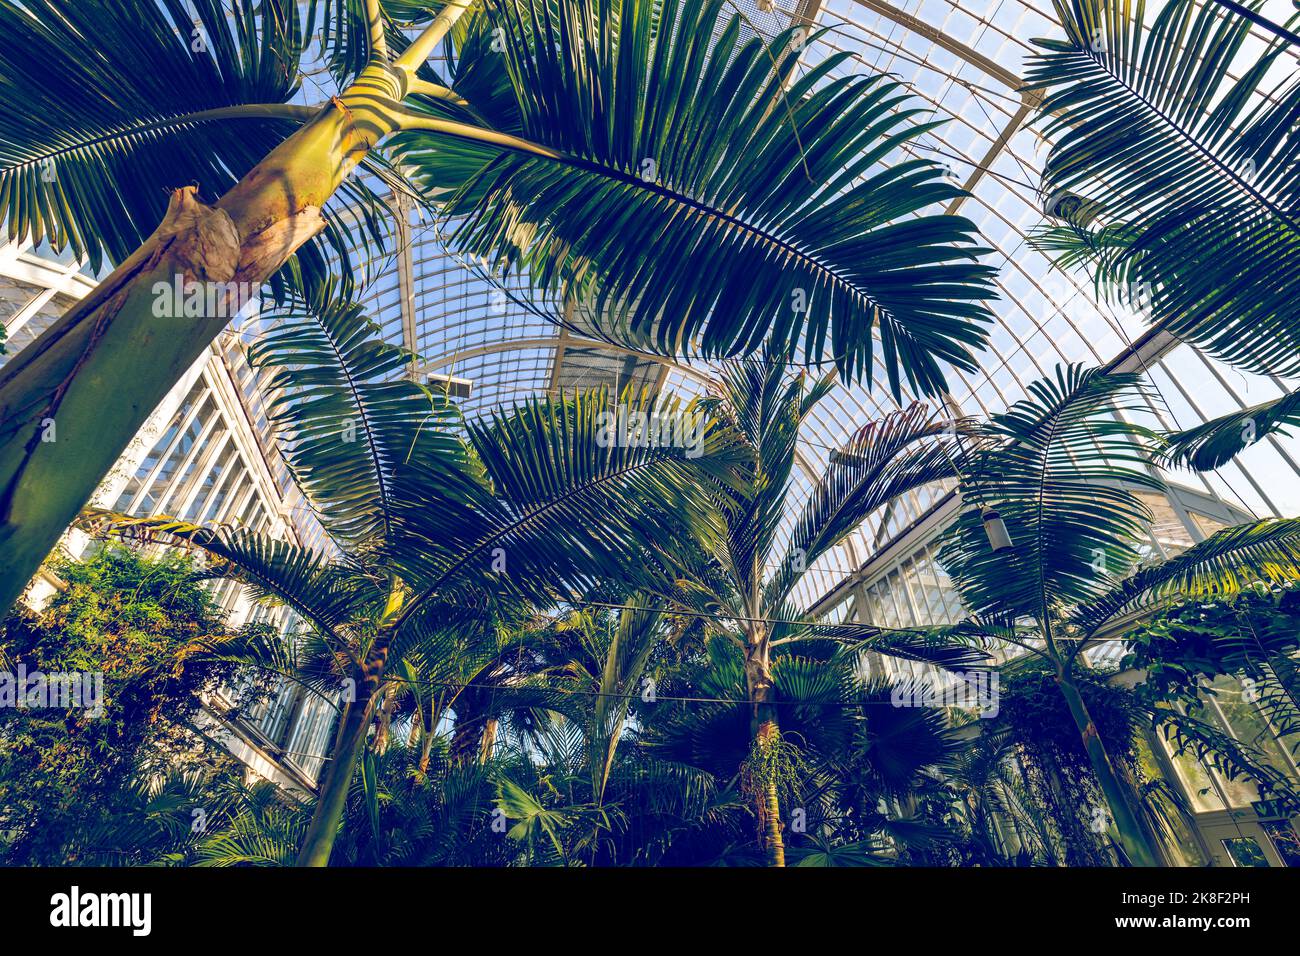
x=963, y=58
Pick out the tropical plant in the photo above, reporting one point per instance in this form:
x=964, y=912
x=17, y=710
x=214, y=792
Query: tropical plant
x=993, y=800
x=1253, y=636
x=433, y=522
x=851, y=768
x=746, y=578
x=1046, y=556
x=149, y=644
x=1172, y=174
x=561, y=135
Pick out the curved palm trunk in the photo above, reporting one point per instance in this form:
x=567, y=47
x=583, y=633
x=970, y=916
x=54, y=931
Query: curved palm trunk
x=342, y=766
x=348, y=745
x=71, y=376
x=1132, y=835
x=766, y=733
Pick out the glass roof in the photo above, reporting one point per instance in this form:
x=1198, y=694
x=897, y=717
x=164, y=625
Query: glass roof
x=963, y=59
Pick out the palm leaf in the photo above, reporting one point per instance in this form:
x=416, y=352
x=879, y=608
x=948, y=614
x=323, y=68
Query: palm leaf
x=148, y=96
x=883, y=461
x=376, y=455
x=1183, y=177
x=1214, y=443
x=1223, y=564
x=1062, y=470
x=699, y=204
x=570, y=504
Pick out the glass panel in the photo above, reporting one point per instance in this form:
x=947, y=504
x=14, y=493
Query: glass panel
x=1245, y=851
x=161, y=482
x=159, y=449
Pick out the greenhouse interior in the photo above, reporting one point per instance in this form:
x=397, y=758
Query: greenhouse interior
x=650, y=433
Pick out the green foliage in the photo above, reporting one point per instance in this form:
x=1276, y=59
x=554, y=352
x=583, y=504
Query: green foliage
x=1185, y=644
x=90, y=149
x=1032, y=709
x=1252, y=637
x=646, y=132
x=151, y=630
x=1214, y=443
x=1058, y=773
x=1172, y=167
x=1063, y=470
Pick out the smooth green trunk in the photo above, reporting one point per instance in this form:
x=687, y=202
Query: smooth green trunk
x=348, y=745
x=1132, y=835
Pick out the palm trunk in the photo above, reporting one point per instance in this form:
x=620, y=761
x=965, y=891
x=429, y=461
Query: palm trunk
x=467, y=737
x=1132, y=835
x=348, y=746
x=489, y=740
x=426, y=732
x=100, y=370
x=384, y=726
x=766, y=733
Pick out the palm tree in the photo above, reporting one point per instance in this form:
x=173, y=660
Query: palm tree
x=993, y=801
x=1046, y=558
x=746, y=577
x=848, y=752
x=607, y=152
x=430, y=528
x=1174, y=182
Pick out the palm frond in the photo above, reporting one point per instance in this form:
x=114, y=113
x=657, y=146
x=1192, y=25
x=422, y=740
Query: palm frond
x=1155, y=144
x=887, y=458
x=571, y=502
x=1063, y=470
x=1214, y=443
x=376, y=455
x=639, y=196
x=93, y=142
x=1223, y=564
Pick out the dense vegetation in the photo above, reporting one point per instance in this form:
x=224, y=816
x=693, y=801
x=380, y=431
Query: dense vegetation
x=546, y=648
x=147, y=628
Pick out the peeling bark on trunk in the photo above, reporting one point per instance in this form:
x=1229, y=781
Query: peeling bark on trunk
x=72, y=401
